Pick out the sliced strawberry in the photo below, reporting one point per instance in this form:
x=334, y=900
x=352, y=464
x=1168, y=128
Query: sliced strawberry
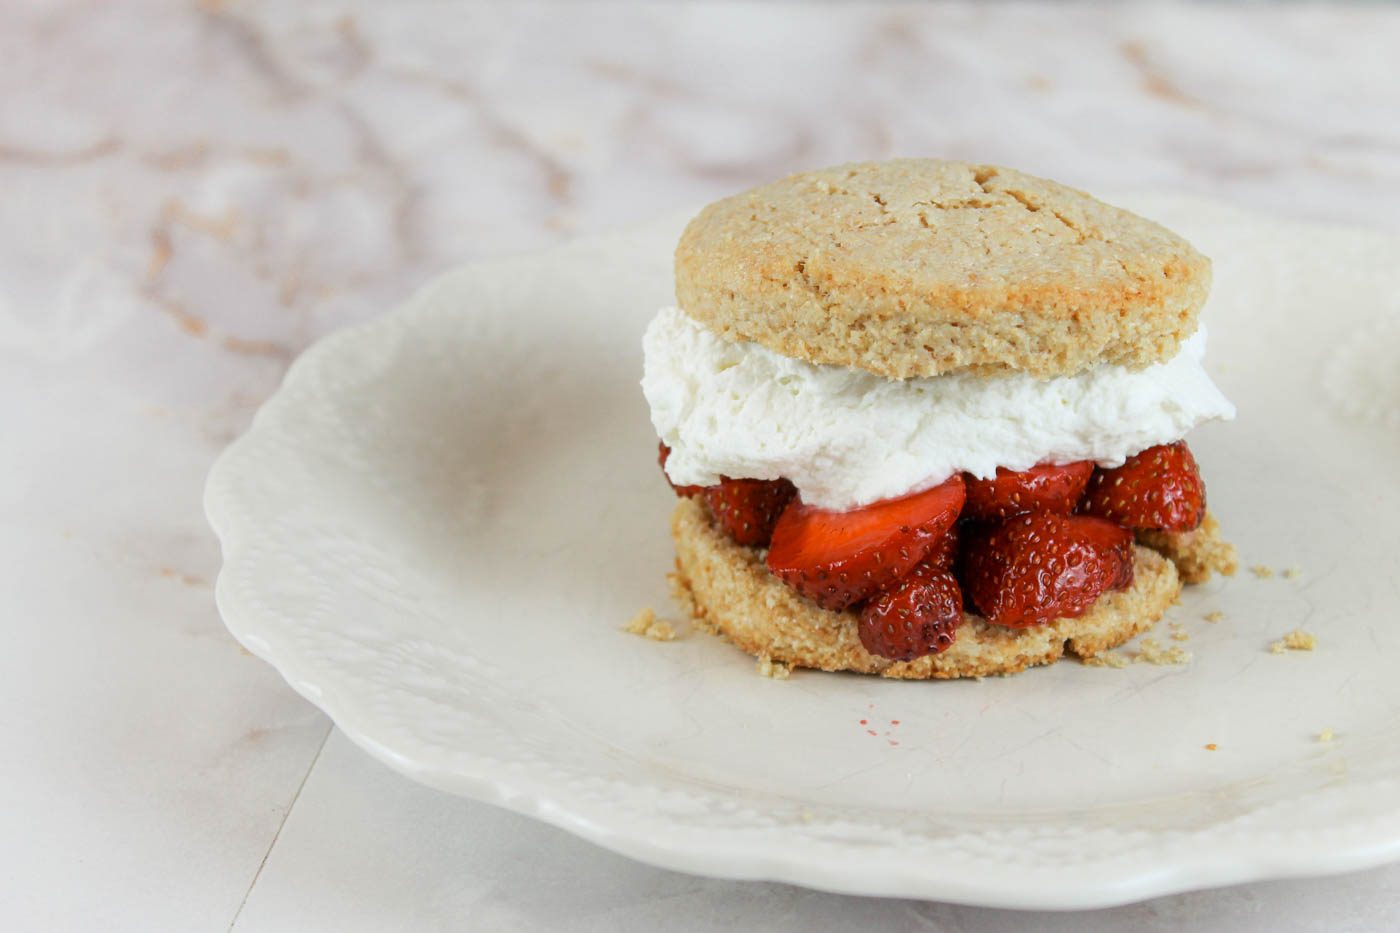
x=1041, y=566
x=1159, y=488
x=1047, y=487
x=944, y=552
x=836, y=559
x=663, y=454
x=918, y=615
x=747, y=509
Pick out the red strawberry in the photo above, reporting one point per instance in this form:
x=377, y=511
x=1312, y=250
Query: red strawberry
x=837, y=559
x=663, y=454
x=1041, y=566
x=1159, y=488
x=1046, y=487
x=747, y=509
x=918, y=615
x=944, y=552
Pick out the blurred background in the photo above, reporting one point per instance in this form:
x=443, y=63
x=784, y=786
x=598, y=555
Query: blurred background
x=259, y=173
x=195, y=191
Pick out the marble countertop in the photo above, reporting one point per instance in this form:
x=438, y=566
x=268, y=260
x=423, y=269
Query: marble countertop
x=193, y=192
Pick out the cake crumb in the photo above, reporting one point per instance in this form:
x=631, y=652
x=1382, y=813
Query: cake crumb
x=1210, y=747
x=1177, y=633
x=1292, y=573
x=1214, y=616
x=646, y=624
x=1150, y=651
x=806, y=816
x=774, y=670
x=641, y=621
x=1296, y=640
x=1262, y=572
x=1107, y=659
x=1326, y=735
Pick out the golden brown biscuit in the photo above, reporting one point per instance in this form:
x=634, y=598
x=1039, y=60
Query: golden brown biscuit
x=728, y=590
x=917, y=267
x=1196, y=553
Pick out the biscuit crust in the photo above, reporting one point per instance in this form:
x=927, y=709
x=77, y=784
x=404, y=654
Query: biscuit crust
x=1197, y=553
x=917, y=267
x=729, y=591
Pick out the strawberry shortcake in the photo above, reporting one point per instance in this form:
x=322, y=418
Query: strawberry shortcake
x=926, y=419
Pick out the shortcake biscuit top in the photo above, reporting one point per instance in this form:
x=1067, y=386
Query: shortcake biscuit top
x=917, y=267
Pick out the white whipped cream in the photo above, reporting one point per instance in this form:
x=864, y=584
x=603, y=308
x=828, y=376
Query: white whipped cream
x=846, y=437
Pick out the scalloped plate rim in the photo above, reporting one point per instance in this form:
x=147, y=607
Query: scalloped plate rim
x=1060, y=888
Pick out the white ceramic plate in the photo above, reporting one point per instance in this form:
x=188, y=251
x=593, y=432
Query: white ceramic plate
x=438, y=525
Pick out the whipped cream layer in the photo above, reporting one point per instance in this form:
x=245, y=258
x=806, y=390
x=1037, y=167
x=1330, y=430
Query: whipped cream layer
x=846, y=437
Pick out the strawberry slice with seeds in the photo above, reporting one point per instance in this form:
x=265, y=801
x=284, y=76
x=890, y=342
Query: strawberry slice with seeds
x=944, y=552
x=918, y=615
x=747, y=509
x=1158, y=489
x=1047, y=487
x=663, y=454
x=836, y=559
x=1041, y=566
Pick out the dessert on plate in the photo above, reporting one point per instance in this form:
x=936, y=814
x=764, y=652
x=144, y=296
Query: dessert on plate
x=925, y=419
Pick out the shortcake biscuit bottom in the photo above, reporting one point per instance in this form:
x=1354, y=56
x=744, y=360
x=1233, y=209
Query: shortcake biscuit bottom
x=1197, y=554
x=729, y=591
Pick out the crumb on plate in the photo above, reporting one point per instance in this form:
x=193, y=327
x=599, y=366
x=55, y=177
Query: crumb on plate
x=1326, y=735
x=1262, y=572
x=1296, y=640
x=774, y=670
x=646, y=624
x=1214, y=616
x=1150, y=651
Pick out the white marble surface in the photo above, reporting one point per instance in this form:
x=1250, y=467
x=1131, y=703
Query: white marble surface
x=194, y=192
